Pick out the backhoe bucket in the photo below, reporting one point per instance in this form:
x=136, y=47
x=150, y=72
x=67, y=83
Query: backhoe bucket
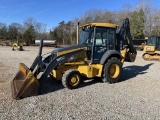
x=130, y=57
x=24, y=83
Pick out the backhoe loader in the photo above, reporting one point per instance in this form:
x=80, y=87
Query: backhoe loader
x=100, y=52
x=17, y=47
x=152, y=49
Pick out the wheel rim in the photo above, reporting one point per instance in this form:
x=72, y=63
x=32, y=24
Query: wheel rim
x=74, y=80
x=114, y=71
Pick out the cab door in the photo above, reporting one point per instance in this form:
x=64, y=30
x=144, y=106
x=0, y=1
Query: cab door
x=104, y=40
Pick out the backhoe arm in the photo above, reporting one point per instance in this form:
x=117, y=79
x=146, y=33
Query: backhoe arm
x=124, y=38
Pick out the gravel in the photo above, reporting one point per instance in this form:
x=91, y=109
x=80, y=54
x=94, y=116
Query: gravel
x=137, y=96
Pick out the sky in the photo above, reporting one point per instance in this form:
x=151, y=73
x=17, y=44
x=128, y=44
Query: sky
x=52, y=12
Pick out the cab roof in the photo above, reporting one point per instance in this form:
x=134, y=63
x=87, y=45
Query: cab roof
x=100, y=25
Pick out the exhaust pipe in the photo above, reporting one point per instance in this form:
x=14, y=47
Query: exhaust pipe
x=77, y=33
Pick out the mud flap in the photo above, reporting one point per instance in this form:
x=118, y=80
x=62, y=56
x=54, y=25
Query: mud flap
x=24, y=83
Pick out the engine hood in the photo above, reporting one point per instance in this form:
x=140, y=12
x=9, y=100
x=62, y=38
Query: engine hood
x=68, y=48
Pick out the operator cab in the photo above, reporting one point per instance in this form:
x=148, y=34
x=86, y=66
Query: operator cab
x=154, y=41
x=99, y=38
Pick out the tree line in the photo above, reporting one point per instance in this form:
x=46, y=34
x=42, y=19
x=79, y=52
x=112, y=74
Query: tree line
x=26, y=33
x=144, y=22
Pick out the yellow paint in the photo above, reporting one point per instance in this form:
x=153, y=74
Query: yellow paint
x=74, y=80
x=31, y=79
x=86, y=70
x=56, y=74
x=101, y=25
x=68, y=51
x=123, y=54
x=75, y=63
x=28, y=78
x=158, y=52
x=90, y=71
x=149, y=48
x=14, y=45
x=114, y=71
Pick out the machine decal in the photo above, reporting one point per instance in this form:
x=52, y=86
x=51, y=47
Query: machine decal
x=60, y=59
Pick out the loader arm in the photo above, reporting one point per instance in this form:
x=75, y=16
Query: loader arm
x=38, y=59
x=56, y=62
x=124, y=38
x=47, y=67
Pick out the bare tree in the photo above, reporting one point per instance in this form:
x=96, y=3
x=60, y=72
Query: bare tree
x=40, y=29
x=30, y=21
x=2, y=25
x=14, y=31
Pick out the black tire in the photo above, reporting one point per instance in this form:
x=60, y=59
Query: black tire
x=71, y=79
x=112, y=70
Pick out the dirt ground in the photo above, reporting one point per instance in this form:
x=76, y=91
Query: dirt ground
x=137, y=96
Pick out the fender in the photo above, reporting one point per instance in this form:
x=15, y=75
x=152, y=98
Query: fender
x=108, y=54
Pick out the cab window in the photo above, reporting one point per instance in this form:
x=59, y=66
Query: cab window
x=104, y=40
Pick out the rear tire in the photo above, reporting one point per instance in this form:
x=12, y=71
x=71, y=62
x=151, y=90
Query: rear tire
x=112, y=70
x=71, y=79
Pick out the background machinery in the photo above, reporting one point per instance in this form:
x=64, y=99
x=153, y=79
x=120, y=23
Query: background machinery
x=139, y=43
x=100, y=53
x=47, y=42
x=17, y=47
x=152, y=49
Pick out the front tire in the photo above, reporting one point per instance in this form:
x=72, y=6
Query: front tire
x=71, y=79
x=112, y=70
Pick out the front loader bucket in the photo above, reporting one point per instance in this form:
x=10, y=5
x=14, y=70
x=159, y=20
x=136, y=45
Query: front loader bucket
x=24, y=83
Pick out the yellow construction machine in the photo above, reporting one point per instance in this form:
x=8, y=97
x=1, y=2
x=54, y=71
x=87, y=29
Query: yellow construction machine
x=17, y=47
x=100, y=52
x=152, y=49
